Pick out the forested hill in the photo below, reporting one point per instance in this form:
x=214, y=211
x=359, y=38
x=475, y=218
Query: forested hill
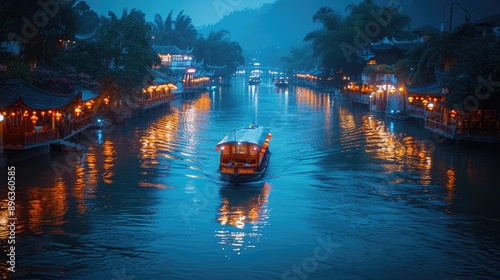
x=275, y=27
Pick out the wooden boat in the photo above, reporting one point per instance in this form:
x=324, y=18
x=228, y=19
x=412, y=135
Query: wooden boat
x=244, y=154
x=281, y=81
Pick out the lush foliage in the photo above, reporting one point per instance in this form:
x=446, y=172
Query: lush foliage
x=299, y=59
x=15, y=68
x=38, y=29
x=178, y=32
x=339, y=40
x=218, y=50
x=118, y=55
x=466, y=63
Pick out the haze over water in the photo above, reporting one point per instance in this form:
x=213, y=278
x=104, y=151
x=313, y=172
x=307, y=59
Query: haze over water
x=348, y=195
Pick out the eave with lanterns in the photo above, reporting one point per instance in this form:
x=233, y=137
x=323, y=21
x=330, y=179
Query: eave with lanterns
x=425, y=100
x=156, y=95
x=33, y=117
x=312, y=78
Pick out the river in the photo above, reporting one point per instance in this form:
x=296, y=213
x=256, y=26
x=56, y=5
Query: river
x=348, y=195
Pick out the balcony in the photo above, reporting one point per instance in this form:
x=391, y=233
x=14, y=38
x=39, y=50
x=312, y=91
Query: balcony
x=19, y=140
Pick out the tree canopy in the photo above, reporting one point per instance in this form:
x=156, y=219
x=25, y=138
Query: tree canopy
x=178, y=32
x=340, y=38
x=466, y=64
x=38, y=26
x=218, y=50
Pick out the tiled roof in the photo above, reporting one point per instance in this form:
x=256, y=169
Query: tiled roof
x=218, y=70
x=386, y=45
x=12, y=91
x=170, y=50
x=432, y=88
x=427, y=29
x=442, y=76
x=252, y=134
x=493, y=20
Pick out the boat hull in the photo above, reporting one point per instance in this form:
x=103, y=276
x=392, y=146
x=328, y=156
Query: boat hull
x=236, y=178
x=241, y=178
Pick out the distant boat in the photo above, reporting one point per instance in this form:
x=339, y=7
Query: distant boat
x=244, y=154
x=253, y=80
x=281, y=81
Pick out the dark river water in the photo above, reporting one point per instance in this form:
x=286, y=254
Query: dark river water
x=348, y=195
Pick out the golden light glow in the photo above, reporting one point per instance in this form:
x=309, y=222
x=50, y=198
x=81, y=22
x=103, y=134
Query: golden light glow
x=243, y=216
x=162, y=87
x=33, y=119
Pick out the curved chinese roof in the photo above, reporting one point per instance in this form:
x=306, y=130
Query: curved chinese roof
x=432, y=88
x=12, y=91
x=252, y=134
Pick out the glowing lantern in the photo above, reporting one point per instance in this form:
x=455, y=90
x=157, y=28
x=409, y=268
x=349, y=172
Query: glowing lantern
x=33, y=119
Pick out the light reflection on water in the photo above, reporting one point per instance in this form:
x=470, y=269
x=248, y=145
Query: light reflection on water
x=243, y=214
x=145, y=201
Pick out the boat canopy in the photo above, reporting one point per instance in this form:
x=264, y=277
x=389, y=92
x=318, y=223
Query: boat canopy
x=252, y=134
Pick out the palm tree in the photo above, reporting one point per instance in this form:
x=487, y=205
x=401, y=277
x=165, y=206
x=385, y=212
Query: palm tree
x=184, y=32
x=162, y=30
x=218, y=50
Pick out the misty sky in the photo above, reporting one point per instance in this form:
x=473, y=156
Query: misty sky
x=201, y=11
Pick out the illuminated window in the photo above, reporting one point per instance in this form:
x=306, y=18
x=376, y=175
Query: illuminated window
x=254, y=150
x=241, y=149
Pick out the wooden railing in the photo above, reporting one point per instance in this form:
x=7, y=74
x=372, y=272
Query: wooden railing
x=31, y=138
x=438, y=127
x=417, y=113
x=74, y=127
x=151, y=103
x=358, y=97
x=467, y=133
x=37, y=137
